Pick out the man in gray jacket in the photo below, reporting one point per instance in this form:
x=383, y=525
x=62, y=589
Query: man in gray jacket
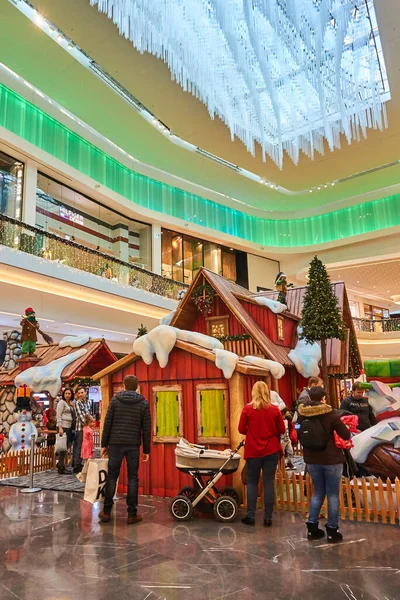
x=127, y=425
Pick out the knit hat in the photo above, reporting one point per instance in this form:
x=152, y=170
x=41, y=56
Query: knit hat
x=317, y=393
x=29, y=312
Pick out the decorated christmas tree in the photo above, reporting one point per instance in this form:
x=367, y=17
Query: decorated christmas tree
x=321, y=318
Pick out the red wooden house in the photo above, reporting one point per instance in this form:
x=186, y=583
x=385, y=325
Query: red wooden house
x=190, y=397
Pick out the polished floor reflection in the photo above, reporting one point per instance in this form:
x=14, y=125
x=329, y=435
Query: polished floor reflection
x=52, y=547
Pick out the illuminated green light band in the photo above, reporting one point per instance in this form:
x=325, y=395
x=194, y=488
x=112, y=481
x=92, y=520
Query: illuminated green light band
x=35, y=126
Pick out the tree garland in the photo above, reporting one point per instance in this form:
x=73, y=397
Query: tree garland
x=203, y=297
x=356, y=366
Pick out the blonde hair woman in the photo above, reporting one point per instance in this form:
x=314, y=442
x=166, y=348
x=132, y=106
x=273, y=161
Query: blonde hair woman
x=262, y=424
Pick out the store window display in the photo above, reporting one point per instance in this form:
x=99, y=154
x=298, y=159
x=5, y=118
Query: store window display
x=65, y=212
x=11, y=186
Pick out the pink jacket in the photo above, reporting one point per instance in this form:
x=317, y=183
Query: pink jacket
x=88, y=443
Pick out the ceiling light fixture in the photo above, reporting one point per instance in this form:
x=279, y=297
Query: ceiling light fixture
x=260, y=53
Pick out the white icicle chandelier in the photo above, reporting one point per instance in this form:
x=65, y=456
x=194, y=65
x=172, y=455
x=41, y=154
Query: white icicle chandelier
x=286, y=74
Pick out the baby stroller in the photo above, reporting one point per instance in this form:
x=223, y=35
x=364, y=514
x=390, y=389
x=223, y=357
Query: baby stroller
x=206, y=467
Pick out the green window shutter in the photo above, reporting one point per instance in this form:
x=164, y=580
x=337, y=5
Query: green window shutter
x=212, y=410
x=167, y=414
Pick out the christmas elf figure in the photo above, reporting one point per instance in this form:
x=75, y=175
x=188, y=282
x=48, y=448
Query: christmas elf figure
x=281, y=286
x=29, y=332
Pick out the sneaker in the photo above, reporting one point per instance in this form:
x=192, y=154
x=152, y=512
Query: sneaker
x=248, y=521
x=104, y=517
x=134, y=519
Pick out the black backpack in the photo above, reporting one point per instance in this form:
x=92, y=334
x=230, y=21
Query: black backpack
x=312, y=434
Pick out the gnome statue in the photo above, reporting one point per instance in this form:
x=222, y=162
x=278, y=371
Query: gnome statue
x=30, y=328
x=281, y=286
x=21, y=431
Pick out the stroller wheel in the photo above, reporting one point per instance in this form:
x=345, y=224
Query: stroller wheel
x=226, y=509
x=230, y=491
x=181, y=508
x=189, y=492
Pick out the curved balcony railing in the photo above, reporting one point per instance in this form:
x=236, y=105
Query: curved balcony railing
x=48, y=246
x=378, y=326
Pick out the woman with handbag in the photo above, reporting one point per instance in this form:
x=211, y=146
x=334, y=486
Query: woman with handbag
x=65, y=424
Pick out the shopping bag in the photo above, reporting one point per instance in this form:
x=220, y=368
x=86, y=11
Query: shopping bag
x=83, y=474
x=61, y=443
x=96, y=478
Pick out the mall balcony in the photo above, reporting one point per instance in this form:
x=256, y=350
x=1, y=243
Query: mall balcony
x=378, y=337
x=69, y=282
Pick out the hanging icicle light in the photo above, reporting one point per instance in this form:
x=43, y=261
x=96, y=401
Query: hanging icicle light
x=287, y=75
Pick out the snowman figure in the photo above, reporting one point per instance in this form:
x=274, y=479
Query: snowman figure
x=21, y=431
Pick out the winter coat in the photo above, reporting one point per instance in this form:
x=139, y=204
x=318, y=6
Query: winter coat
x=65, y=414
x=127, y=421
x=362, y=409
x=262, y=429
x=330, y=420
x=304, y=396
x=87, y=450
x=29, y=331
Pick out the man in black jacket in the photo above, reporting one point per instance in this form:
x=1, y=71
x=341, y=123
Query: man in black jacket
x=358, y=405
x=126, y=426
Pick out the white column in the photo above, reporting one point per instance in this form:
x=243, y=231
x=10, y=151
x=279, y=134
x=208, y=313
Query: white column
x=156, y=249
x=29, y=199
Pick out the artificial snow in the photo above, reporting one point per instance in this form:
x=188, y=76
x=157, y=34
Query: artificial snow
x=206, y=341
x=364, y=442
x=74, y=341
x=274, y=305
x=143, y=348
x=162, y=339
x=306, y=357
x=276, y=369
x=226, y=361
x=48, y=377
x=168, y=318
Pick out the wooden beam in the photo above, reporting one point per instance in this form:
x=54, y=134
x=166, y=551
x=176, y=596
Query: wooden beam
x=106, y=395
x=236, y=400
x=120, y=364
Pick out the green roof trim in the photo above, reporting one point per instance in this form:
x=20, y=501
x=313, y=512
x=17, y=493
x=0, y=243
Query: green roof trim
x=26, y=120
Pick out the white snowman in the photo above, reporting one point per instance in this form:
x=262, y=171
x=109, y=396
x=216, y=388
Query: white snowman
x=21, y=431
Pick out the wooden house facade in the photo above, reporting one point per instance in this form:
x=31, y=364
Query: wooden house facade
x=190, y=397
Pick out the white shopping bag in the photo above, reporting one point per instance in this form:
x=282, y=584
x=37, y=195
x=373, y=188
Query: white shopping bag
x=96, y=478
x=61, y=442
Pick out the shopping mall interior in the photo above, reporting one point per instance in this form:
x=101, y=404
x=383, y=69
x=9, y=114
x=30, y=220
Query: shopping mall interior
x=178, y=178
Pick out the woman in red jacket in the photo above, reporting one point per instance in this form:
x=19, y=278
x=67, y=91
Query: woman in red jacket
x=262, y=424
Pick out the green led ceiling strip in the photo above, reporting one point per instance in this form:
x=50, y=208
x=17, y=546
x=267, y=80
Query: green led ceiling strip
x=35, y=126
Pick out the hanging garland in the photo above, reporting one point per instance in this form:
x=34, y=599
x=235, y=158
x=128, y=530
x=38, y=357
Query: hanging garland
x=142, y=330
x=240, y=337
x=203, y=297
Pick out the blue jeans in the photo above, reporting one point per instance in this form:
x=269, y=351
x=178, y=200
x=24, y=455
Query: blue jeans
x=326, y=480
x=268, y=465
x=116, y=454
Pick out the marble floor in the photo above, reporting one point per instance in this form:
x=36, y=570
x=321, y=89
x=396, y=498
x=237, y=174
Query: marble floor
x=52, y=547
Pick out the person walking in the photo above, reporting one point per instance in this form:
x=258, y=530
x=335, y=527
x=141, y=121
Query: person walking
x=65, y=423
x=262, y=424
x=127, y=425
x=358, y=405
x=324, y=460
x=81, y=410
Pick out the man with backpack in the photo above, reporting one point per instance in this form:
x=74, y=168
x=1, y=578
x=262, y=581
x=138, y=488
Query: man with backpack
x=324, y=460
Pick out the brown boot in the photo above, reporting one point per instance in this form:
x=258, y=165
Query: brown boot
x=134, y=519
x=104, y=517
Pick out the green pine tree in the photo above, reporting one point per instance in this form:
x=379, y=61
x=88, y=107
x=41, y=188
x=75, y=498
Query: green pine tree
x=321, y=318
x=142, y=330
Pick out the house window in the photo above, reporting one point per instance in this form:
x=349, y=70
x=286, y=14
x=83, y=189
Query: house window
x=281, y=334
x=167, y=413
x=212, y=413
x=218, y=326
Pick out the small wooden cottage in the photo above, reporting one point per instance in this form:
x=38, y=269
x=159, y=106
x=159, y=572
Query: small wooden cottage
x=190, y=397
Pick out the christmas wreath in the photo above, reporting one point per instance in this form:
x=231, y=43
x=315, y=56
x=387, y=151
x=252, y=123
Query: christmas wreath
x=203, y=297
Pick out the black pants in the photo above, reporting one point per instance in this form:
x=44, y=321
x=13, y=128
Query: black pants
x=76, y=453
x=116, y=454
x=62, y=456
